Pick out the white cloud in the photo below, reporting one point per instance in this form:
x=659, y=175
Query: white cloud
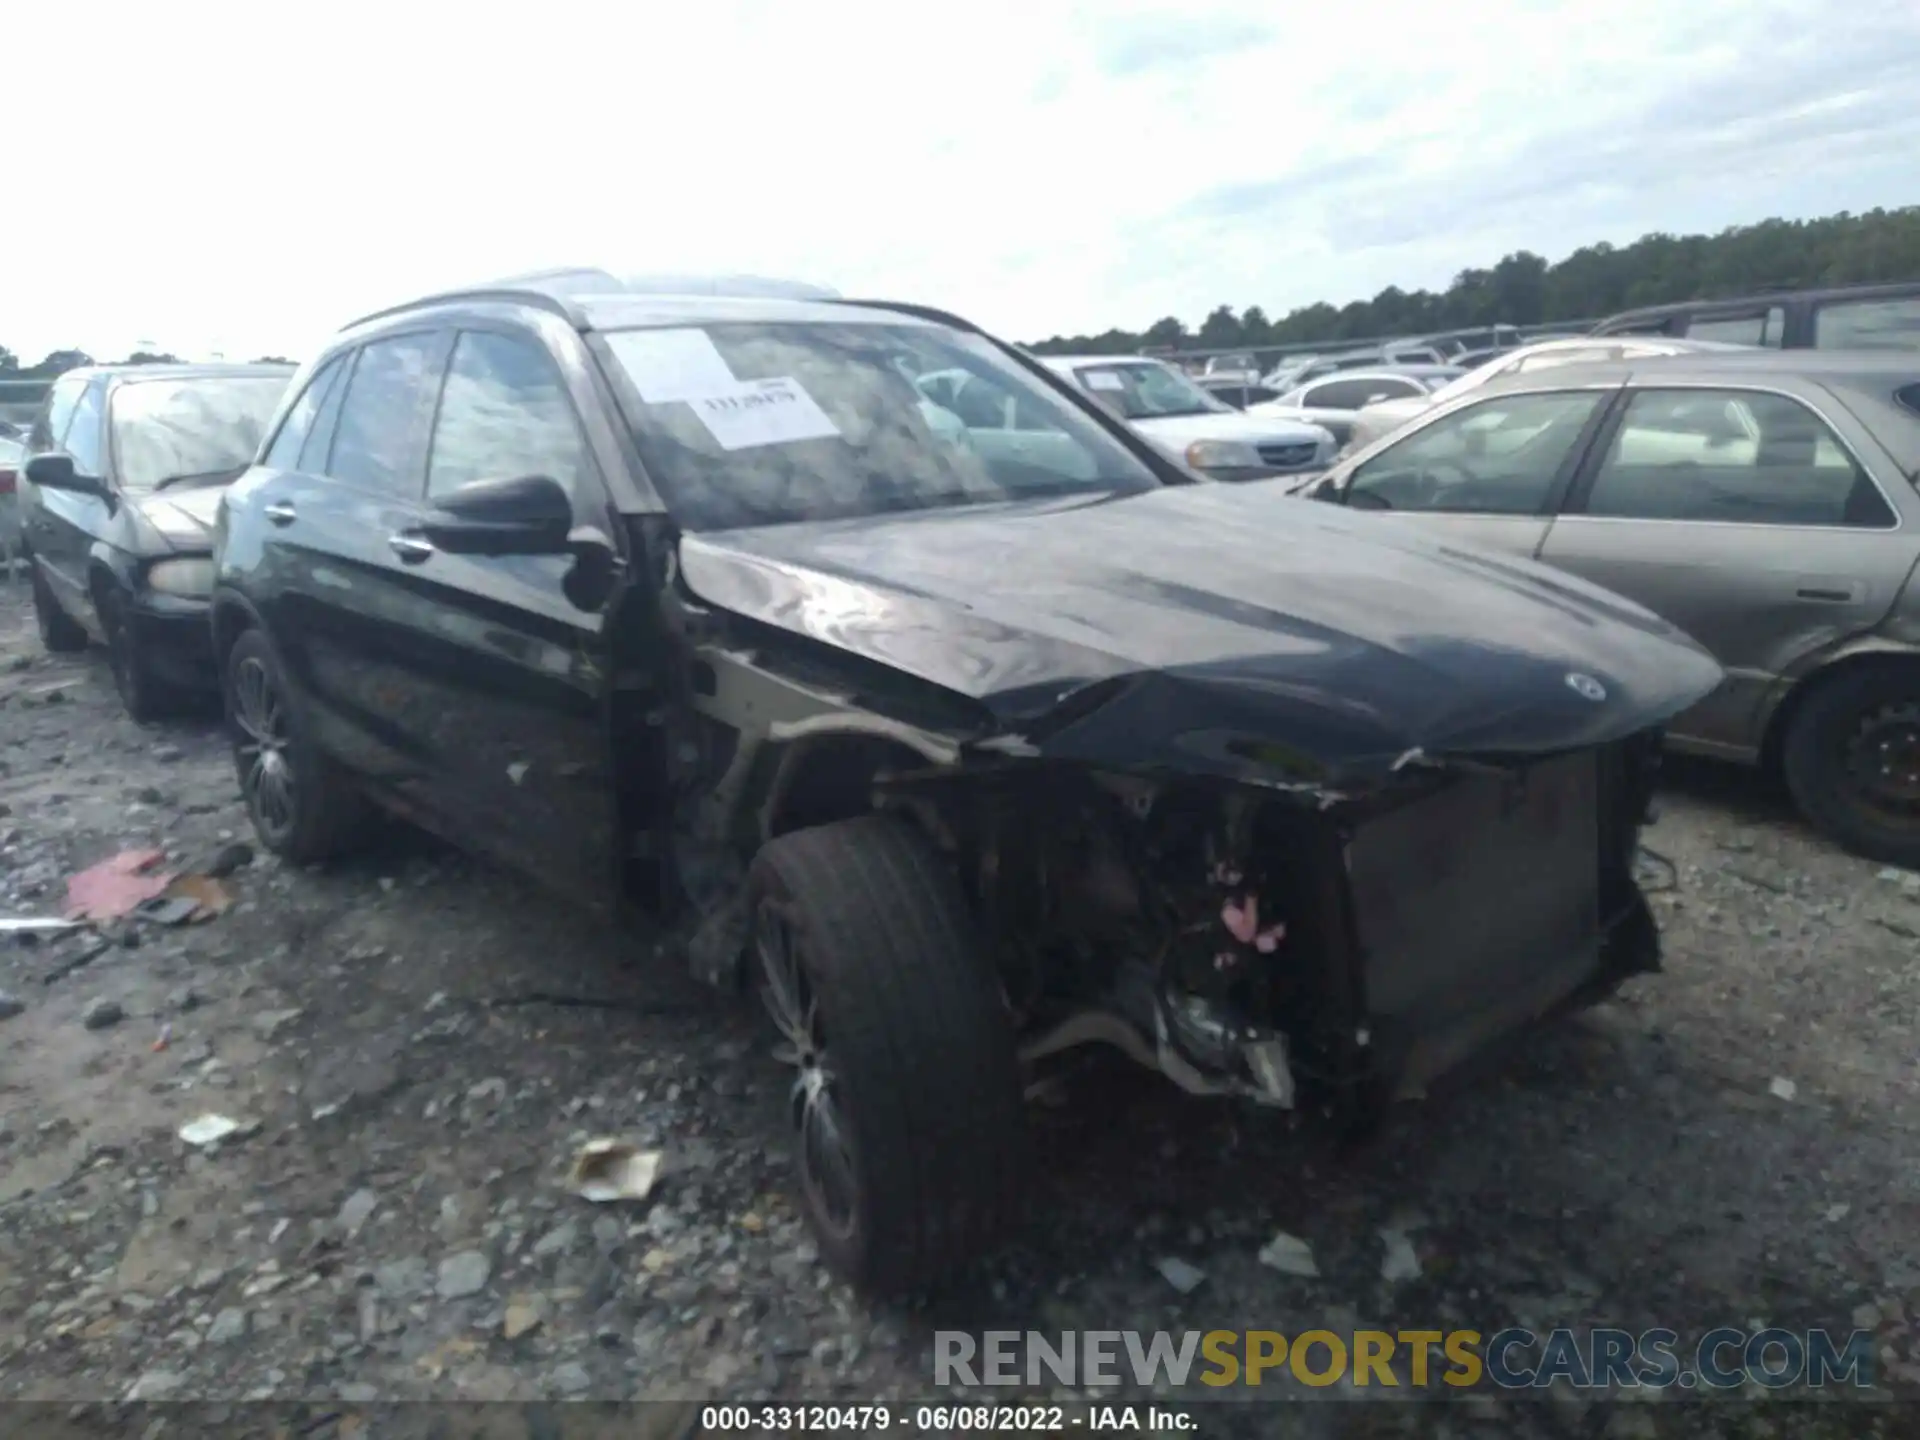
x=246, y=177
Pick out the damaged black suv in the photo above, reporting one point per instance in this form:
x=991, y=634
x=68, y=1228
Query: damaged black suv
x=960, y=744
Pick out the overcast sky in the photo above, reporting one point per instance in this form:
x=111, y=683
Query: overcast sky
x=244, y=178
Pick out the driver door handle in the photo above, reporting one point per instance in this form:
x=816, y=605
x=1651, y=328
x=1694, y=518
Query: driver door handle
x=281, y=512
x=410, y=548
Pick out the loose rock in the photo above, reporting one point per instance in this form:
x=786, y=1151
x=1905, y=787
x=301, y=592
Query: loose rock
x=102, y=1014
x=228, y=1326
x=463, y=1274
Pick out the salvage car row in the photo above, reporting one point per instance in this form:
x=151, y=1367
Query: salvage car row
x=930, y=694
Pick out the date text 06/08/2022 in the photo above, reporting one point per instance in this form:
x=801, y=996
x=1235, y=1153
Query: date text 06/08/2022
x=942, y=1419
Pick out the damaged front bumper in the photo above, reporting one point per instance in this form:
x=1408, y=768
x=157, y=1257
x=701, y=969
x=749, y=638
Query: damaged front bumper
x=1364, y=950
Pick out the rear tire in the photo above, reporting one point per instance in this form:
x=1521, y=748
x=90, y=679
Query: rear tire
x=1851, y=759
x=59, y=631
x=863, y=940
x=304, y=807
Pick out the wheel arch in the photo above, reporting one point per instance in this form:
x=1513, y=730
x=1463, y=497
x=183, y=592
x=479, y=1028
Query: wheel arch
x=826, y=768
x=1870, y=655
x=233, y=616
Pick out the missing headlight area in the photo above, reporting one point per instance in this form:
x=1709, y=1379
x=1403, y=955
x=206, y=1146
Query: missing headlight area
x=1250, y=944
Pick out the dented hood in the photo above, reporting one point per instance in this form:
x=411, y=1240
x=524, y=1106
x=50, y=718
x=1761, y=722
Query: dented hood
x=1223, y=629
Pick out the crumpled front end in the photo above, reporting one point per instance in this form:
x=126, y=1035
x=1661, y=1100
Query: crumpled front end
x=1251, y=942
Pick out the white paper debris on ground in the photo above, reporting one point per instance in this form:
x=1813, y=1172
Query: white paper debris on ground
x=211, y=1129
x=1837, y=1213
x=1401, y=1261
x=670, y=365
x=517, y=771
x=1290, y=1255
x=37, y=925
x=606, y=1170
x=763, y=412
x=1782, y=1088
x=1178, y=1273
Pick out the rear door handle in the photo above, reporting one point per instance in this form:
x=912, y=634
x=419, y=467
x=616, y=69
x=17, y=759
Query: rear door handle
x=281, y=512
x=410, y=548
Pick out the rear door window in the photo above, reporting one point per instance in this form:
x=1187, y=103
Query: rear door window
x=377, y=437
x=1868, y=324
x=1735, y=457
x=1746, y=327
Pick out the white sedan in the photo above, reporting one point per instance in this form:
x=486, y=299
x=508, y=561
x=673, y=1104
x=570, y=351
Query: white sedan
x=1182, y=419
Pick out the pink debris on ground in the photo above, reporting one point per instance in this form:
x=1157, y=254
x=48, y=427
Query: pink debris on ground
x=1242, y=919
x=116, y=886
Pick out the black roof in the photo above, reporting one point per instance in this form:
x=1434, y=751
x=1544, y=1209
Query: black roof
x=1757, y=297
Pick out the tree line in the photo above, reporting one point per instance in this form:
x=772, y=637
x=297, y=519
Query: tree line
x=1593, y=282
x=58, y=362
x=1522, y=289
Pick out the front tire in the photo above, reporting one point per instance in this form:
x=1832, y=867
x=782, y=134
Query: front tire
x=303, y=806
x=59, y=631
x=145, y=696
x=1852, y=760
x=907, y=1108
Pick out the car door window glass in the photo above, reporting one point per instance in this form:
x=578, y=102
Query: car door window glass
x=1754, y=327
x=1868, y=324
x=373, y=439
x=284, y=453
x=313, y=450
x=83, y=434
x=1499, y=457
x=50, y=427
x=1744, y=457
x=504, y=414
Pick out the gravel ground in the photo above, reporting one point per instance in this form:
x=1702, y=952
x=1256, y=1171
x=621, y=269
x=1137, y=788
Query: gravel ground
x=1730, y=1143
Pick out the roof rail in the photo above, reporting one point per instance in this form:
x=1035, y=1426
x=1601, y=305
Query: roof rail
x=560, y=288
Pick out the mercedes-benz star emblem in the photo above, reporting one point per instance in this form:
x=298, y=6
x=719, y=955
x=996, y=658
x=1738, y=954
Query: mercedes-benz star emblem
x=1586, y=687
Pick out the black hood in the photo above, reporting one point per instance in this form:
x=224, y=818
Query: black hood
x=182, y=519
x=1225, y=629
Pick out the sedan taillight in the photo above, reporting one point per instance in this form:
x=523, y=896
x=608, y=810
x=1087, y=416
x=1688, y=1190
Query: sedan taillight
x=7, y=481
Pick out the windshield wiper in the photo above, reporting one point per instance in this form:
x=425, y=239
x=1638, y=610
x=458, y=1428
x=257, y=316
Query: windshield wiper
x=232, y=472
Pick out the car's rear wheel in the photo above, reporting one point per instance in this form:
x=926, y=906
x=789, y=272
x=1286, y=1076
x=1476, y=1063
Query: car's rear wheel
x=59, y=631
x=144, y=694
x=303, y=806
x=906, y=1105
x=1852, y=760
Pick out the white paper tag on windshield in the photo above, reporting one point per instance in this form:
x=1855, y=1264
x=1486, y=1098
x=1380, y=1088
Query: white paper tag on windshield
x=1103, y=380
x=762, y=412
x=670, y=365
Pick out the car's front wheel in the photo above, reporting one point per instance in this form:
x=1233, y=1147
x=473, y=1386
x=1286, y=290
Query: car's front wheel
x=303, y=806
x=1852, y=760
x=906, y=1104
x=59, y=631
x=145, y=695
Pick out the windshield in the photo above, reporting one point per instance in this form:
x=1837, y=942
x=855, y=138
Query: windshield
x=1143, y=390
x=762, y=424
x=167, y=429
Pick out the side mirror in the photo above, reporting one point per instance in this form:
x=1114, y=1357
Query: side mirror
x=56, y=472
x=529, y=515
